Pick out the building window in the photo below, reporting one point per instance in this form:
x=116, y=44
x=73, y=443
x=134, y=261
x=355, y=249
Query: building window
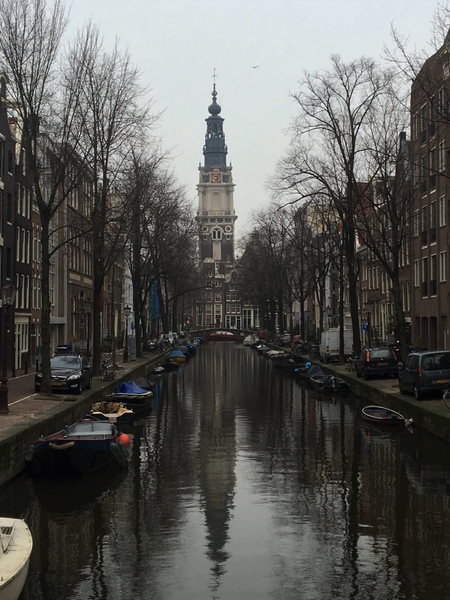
x=9, y=209
x=432, y=123
x=216, y=234
x=424, y=277
x=423, y=124
x=433, y=223
x=443, y=266
x=424, y=225
x=433, y=275
x=416, y=223
x=441, y=211
x=433, y=167
x=442, y=156
x=416, y=273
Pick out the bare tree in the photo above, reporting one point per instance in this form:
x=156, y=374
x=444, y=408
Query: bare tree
x=334, y=107
x=32, y=33
x=114, y=115
x=161, y=235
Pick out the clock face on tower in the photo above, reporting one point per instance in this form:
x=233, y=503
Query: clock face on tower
x=215, y=178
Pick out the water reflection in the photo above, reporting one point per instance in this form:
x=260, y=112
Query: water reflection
x=243, y=483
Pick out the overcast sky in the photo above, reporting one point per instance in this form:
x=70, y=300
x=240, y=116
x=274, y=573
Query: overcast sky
x=178, y=43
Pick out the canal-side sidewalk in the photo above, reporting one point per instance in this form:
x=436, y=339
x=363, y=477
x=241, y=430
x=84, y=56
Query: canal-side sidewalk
x=430, y=414
x=24, y=403
x=32, y=415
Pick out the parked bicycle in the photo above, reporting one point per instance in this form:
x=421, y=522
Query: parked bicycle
x=446, y=397
x=351, y=363
x=108, y=370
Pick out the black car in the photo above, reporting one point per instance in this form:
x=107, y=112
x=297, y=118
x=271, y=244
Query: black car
x=377, y=361
x=69, y=373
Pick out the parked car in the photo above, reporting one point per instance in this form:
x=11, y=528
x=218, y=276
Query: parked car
x=425, y=373
x=69, y=373
x=382, y=362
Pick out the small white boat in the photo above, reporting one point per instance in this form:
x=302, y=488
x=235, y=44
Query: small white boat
x=250, y=339
x=15, y=551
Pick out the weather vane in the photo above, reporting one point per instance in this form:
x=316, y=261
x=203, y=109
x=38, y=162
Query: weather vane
x=214, y=76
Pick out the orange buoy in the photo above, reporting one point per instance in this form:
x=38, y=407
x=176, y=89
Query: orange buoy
x=124, y=439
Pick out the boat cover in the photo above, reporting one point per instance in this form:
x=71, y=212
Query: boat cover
x=130, y=387
x=176, y=354
x=313, y=371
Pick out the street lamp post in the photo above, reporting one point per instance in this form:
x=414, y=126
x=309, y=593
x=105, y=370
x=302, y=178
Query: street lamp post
x=88, y=309
x=126, y=312
x=8, y=295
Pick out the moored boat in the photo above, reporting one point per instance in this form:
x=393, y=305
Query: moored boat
x=222, y=336
x=178, y=357
x=133, y=397
x=84, y=447
x=250, y=339
x=15, y=551
x=329, y=384
x=380, y=415
x=115, y=412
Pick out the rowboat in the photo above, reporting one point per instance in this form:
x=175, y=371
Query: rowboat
x=84, y=447
x=222, y=336
x=380, y=415
x=15, y=551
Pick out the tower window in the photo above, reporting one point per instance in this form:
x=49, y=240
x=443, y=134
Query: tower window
x=216, y=234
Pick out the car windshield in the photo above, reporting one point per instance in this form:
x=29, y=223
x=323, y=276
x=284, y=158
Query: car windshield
x=436, y=361
x=65, y=362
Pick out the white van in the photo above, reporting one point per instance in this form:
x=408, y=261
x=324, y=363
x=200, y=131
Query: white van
x=329, y=344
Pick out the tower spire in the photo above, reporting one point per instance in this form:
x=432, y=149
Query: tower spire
x=215, y=149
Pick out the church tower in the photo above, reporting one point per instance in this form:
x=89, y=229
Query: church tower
x=216, y=216
x=218, y=304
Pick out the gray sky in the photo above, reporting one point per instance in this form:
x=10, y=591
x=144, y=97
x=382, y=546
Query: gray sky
x=178, y=43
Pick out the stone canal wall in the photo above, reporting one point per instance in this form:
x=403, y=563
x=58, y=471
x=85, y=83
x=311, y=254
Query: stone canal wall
x=17, y=439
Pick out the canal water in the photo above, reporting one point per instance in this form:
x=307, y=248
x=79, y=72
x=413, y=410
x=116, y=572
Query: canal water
x=243, y=484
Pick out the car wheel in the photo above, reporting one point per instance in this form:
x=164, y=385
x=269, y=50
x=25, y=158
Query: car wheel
x=358, y=373
x=402, y=389
x=89, y=384
x=37, y=389
x=79, y=388
x=417, y=393
x=365, y=374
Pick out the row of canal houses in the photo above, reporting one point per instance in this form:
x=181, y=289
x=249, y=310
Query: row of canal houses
x=424, y=269
x=71, y=273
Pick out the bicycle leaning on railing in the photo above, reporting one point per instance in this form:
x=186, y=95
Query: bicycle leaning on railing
x=108, y=370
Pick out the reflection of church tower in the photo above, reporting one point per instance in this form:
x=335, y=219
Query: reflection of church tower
x=218, y=305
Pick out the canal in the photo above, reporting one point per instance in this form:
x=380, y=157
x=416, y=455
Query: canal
x=243, y=484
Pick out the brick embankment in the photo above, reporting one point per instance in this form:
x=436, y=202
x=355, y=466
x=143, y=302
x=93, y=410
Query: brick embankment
x=34, y=415
x=431, y=414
